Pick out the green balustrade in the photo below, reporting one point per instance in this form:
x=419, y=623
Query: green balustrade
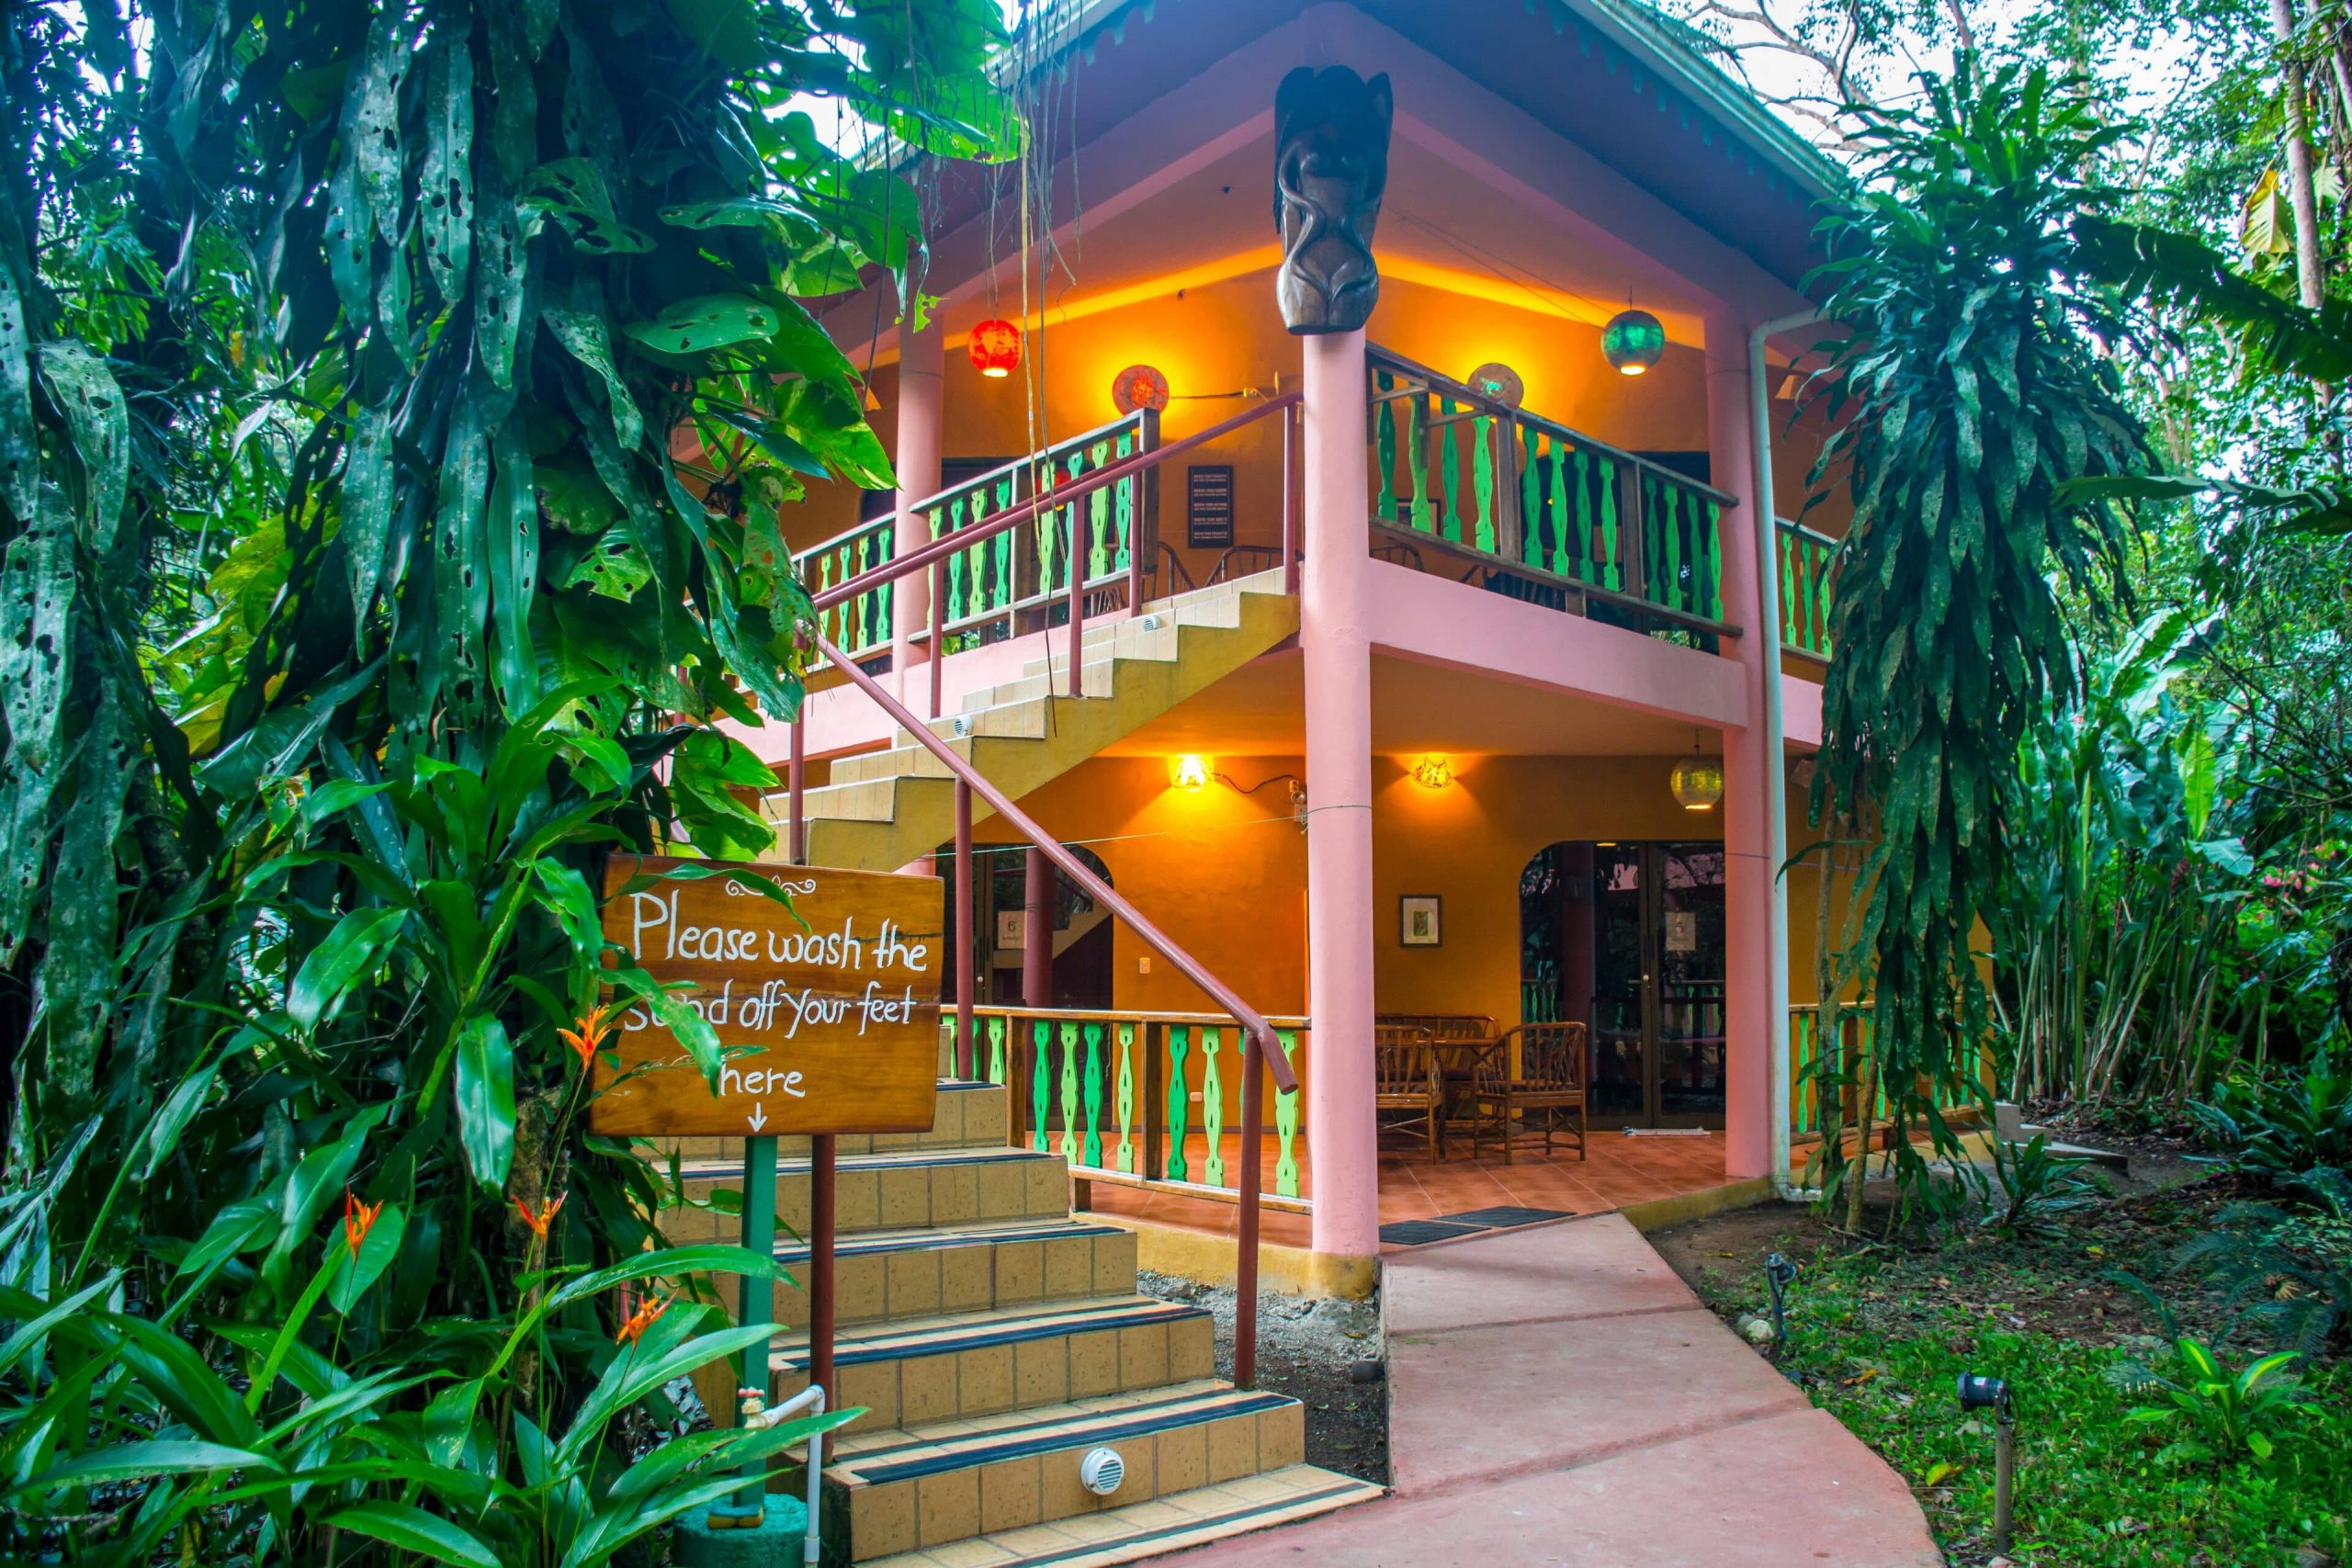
x=1482, y=477
x=1126, y=1101
x=1286, y=1121
x=1449, y=453
x=1069, y=1034
x=1041, y=1058
x=1179, y=1101
x=1531, y=496
x=996, y=1050
x=1093, y=1156
x=1212, y=1104
x=1384, y=437
x=1417, y=456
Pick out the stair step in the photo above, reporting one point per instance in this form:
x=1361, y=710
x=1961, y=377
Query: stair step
x=902, y=1190
x=1169, y=1523
x=925, y=1486
x=1031, y=719
x=892, y=1275
x=897, y=761
x=970, y=1115
x=957, y=1365
x=1100, y=681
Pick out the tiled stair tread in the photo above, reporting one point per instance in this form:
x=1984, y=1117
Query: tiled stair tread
x=878, y=1458
x=723, y=1169
x=931, y=1238
x=1169, y=1524
x=976, y=1330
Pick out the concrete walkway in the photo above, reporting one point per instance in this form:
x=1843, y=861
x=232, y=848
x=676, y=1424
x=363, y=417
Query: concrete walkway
x=1558, y=1397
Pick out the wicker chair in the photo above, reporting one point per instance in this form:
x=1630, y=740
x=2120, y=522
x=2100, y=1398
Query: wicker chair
x=1406, y=1087
x=1549, y=1077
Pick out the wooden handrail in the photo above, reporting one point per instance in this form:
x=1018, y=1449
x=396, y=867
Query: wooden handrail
x=1131, y=1015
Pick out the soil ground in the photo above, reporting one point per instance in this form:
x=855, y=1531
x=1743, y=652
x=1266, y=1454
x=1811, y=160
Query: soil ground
x=1326, y=1354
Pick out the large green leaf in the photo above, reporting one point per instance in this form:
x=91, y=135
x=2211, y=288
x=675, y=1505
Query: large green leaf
x=413, y=1530
x=486, y=1098
x=86, y=393
x=354, y=946
x=691, y=328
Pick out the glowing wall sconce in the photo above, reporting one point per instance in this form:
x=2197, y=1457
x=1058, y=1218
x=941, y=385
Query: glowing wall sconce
x=1632, y=340
x=1192, y=772
x=996, y=349
x=1139, y=386
x=1498, y=381
x=1433, y=772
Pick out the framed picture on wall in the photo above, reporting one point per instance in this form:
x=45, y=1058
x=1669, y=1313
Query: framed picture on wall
x=1419, y=919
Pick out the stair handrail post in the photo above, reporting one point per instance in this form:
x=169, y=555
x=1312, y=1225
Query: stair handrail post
x=967, y=1048
x=1245, y=1270
x=747, y=1508
x=938, y=659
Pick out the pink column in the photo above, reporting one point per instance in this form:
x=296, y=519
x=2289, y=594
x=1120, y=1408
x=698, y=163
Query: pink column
x=1748, y=875
x=1335, y=637
x=921, y=358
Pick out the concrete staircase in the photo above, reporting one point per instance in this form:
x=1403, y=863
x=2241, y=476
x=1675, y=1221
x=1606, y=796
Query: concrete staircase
x=881, y=809
x=994, y=1340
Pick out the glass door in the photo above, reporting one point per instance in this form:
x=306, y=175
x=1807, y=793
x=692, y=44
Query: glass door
x=1658, y=983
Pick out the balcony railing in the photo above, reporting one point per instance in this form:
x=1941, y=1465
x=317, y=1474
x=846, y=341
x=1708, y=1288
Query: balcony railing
x=1111, y=1092
x=1011, y=578
x=1540, y=512
x=1805, y=560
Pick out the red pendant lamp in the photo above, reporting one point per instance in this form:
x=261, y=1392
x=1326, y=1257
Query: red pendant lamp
x=996, y=348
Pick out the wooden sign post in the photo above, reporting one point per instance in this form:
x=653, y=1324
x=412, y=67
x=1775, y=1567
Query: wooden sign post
x=827, y=1013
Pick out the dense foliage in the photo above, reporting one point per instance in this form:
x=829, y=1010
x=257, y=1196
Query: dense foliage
x=1964, y=399
x=396, y=403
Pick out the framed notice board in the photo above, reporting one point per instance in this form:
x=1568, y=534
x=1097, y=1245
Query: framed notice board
x=1208, y=506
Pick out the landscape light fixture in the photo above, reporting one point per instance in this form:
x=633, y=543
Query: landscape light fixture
x=1980, y=1391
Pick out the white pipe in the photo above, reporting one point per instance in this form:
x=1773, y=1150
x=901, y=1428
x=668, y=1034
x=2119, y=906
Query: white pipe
x=1776, y=804
x=811, y=1398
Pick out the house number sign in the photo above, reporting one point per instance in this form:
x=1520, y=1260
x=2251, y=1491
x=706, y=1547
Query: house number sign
x=828, y=1011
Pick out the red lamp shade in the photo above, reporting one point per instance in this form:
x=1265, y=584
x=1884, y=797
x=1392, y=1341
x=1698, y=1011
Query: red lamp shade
x=996, y=348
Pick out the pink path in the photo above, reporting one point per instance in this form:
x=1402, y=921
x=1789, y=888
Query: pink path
x=1559, y=1398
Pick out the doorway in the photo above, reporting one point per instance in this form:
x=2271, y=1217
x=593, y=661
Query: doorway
x=1082, y=930
x=1628, y=939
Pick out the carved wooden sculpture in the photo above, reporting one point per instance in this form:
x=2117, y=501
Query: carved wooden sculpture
x=1331, y=171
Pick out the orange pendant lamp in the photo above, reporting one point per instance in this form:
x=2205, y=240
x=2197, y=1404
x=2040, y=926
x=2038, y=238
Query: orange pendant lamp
x=996, y=348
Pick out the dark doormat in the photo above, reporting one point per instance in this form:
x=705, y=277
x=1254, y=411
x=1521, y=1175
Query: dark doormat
x=1446, y=1228
x=1420, y=1233
x=1504, y=1216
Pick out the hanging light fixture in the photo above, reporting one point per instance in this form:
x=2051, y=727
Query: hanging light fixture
x=1697, y=784
x=1632, y=340
x=996, y=348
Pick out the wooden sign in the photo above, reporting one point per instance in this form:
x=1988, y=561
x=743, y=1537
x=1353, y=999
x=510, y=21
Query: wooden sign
x=1208, y=506
x=829, y=1011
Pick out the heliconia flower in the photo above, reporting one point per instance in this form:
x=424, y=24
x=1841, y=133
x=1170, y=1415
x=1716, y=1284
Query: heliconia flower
x=589, y=1037
x=641, y=1319
x=538, y=1220
x=358, y=1219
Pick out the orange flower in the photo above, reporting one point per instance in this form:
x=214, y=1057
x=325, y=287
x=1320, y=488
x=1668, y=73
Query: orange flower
x=540, y=1221
x=590, y=1036
x=358, y=1219
x=642, y=1318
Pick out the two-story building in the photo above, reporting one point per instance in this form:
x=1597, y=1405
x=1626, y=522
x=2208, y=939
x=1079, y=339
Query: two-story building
x=1448, y=674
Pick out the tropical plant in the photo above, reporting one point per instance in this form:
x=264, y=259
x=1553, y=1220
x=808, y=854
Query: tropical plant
x=2291, y=1269
x=1967, y=393
x=2030, y=1187
x=2284, y=1126
x=2228, y=1415
x=399, y=403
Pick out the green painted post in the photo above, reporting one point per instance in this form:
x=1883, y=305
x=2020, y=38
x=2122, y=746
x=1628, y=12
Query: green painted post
x=1286, y=1123
x=758, y=1299
x=1212, y=1104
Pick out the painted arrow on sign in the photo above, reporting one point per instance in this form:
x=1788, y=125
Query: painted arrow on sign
x=759, y=1115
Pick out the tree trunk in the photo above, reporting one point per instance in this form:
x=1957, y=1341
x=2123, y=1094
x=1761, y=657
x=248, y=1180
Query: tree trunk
x=2309, y=279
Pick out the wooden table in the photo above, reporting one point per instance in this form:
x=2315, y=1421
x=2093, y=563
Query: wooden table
x=1458, y=1064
